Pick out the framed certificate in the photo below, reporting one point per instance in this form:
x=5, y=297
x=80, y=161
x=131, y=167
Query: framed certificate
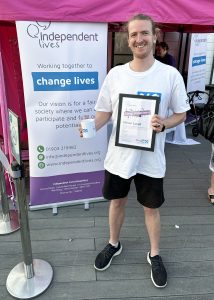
x=134, y=121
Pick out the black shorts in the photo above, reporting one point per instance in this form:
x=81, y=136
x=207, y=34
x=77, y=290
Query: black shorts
x=149, y=190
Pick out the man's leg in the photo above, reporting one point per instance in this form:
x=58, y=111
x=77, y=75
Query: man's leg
x=114, y=248
x=211, y=189
x=152, y=221
x=153, y=225
x=116, y=218
x=150, y=195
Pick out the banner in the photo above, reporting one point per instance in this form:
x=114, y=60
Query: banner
x=197, y=63
x=63, y=67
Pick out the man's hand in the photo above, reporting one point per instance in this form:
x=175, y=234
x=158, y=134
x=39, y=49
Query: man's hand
x=157, y=123
x=80, y=131
x=101, y=118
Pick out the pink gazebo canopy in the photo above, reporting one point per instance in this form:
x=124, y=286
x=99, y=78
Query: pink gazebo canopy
x=182, y=15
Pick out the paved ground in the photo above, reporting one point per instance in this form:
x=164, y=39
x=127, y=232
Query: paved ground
x=71, y=240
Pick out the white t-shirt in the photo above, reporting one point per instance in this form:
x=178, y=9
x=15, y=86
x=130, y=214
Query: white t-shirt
x=160, y=79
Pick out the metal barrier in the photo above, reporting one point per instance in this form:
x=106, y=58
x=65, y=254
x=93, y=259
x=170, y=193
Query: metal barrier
x=9, y=221
x=31, y=277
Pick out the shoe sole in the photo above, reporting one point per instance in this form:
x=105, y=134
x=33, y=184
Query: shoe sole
x=158, y=286
x=108, y=265
x=210, y=198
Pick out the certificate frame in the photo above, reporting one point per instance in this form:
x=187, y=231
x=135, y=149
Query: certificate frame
x=134, y=121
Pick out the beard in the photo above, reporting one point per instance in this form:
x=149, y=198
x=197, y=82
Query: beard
x=140, y=55
x=144, y=54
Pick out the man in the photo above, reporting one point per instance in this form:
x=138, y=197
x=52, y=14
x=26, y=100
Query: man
x=162, y=54
x=211, y=188
x=143, y=75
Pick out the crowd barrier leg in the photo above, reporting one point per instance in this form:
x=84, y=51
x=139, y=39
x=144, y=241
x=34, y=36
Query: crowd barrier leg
x=31, y=277
x=9, y=221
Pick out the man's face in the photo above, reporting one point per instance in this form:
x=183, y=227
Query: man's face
x=140, y=38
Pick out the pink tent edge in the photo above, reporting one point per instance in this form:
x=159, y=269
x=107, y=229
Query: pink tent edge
x=180, y=15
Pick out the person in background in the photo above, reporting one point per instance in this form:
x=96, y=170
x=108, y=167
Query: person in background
x=161, y=54
x=211, y=188
x=143, y=75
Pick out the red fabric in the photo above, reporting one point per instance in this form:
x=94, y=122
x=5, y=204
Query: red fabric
x=1, y=130
x=12, y=73
x=178, y=12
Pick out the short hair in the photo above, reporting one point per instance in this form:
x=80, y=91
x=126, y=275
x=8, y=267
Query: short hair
x=163, y=45
x=144, y=18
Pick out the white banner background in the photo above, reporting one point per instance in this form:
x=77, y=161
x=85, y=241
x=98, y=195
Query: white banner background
x=63, y=67
x=197, y=63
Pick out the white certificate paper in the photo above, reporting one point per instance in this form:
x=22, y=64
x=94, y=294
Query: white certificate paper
x=134, y=121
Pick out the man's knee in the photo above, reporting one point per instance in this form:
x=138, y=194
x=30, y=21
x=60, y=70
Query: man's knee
x=151, y=211
x=118, y=203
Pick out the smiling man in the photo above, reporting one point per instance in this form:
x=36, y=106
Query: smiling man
x=146, y=76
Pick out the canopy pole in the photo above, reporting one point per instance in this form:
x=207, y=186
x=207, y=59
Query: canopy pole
x=185, y=54
x=180, y=48
x=211, y=72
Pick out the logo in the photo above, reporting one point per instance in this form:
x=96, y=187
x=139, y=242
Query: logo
x=39, y=31
x=34, y=30
x=48, y=38
x=142, y=141
x=152, y=94
x=199, y=38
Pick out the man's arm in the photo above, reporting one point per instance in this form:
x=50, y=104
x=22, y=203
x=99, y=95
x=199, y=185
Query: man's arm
x=101, y=118
x=158, y=123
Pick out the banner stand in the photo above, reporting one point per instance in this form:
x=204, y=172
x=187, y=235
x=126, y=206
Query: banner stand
x=61, y=91
x=32, y=277
x=86, y=205
x=9, y=222
x=55, y=208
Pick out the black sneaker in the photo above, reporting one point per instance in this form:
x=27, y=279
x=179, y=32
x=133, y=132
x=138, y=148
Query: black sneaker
x=158, y=271
x=104, y=258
